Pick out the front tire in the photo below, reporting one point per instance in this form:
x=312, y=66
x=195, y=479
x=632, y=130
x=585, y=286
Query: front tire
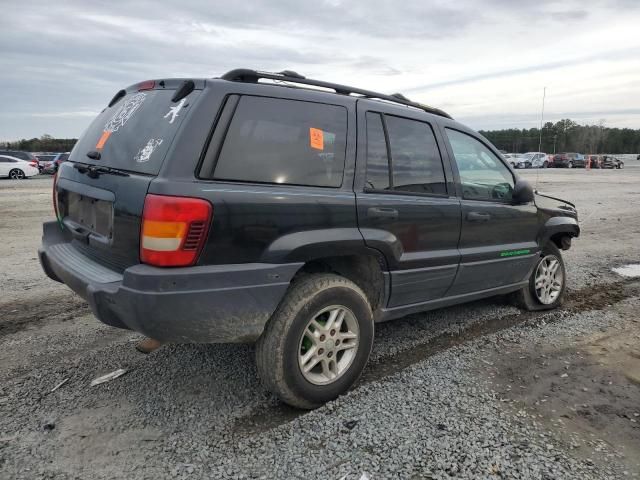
x=318, y=341
x=570, y=165
x=547, y=283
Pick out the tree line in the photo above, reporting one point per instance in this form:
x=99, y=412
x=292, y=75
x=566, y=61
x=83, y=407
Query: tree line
x=562, y=136
x=567, y=136
x=46, y=143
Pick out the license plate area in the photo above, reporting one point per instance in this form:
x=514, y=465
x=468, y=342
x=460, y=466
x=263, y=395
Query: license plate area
x=90, y=213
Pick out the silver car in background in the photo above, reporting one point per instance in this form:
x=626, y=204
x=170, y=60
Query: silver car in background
x=537, y=159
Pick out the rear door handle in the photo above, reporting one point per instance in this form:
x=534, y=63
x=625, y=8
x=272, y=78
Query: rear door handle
x=478, y=217
x=376, y=212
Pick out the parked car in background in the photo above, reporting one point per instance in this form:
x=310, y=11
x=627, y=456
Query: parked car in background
x=44, y=159
x=27, y=156
x=537, y=159
x=511, y=158
x=52, y=167
x=45, y=156
x=521, y=161
x=609, y=161
x=594, y=161
x=17, y=168
x=569, y=160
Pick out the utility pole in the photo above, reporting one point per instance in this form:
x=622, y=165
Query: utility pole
x=554, y=143
x=544, y=94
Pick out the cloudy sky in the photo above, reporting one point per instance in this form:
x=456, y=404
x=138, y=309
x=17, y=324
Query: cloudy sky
x=485, y=62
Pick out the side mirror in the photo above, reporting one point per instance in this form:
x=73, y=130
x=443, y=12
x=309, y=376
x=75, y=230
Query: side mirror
x=522, y=192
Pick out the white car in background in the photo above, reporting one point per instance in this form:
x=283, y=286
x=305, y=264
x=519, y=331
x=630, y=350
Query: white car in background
x=15, y=168
x=511, y=158
x=518, y=160
x=537, y=159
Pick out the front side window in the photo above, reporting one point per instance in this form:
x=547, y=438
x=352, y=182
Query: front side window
x=482, y=175
x=273, y=140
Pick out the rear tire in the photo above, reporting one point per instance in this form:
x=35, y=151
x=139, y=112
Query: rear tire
x=532, y=297
x=17, y=174
x=545, y=164
x=286, y=352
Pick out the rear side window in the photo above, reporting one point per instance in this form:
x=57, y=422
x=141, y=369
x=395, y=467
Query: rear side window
x=414, y=157
x=293, y=142
x=377, y=158
x=417, y=166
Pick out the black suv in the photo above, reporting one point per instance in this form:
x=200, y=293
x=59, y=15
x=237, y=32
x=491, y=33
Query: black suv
x=569, y=160
x=237, y=210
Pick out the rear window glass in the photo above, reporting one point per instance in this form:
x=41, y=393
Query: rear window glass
x=284, y=141
x=135, y=133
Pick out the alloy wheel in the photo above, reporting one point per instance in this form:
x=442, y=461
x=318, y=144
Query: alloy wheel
x=549, y=279
x=328, y=345
x=16, y=174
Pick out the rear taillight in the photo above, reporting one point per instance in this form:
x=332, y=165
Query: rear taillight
x=33, y=163
x=174, y=230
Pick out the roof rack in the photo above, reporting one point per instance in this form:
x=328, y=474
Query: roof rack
x=252, y=76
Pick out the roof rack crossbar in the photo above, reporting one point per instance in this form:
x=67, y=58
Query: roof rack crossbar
x=252, y=76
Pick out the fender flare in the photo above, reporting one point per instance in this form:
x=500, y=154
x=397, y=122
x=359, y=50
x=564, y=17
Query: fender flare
x=559, y=225
x=316, y=244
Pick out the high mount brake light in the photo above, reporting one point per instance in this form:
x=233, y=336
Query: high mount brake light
x=146, y=85
x=174, y=230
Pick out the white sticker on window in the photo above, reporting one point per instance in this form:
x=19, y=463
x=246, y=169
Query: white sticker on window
x=173, y=111
x=125, y=112
x=145, y=152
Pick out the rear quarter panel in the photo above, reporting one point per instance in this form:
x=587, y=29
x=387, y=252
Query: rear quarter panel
x=254, y=222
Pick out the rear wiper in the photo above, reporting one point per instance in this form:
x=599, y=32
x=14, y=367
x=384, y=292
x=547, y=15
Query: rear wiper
x=93, y=171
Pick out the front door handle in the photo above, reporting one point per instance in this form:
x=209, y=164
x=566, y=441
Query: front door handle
x=478, y=217
x=376, y=212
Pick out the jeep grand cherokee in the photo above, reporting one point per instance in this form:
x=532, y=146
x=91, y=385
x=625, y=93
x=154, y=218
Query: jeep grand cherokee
x=256, y=207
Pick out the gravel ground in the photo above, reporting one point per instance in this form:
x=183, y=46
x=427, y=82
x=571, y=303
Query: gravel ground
x=449, y=394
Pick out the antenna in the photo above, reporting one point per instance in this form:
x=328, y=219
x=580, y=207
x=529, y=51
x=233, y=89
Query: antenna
x=544, y=94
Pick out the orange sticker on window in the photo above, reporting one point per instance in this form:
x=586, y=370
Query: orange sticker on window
x=103, y=139
x=316, y=138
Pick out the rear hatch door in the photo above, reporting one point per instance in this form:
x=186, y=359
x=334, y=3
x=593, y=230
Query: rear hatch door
x=101, y=189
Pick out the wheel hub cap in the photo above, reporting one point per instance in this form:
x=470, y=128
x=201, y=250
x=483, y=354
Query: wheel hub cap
x=328, y=345
x=549, y=279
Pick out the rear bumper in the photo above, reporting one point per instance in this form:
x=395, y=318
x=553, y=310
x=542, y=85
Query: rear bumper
x=202, y=304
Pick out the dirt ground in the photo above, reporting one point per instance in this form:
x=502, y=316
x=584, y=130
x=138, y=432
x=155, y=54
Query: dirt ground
x=587, y=389
x=584, y=388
